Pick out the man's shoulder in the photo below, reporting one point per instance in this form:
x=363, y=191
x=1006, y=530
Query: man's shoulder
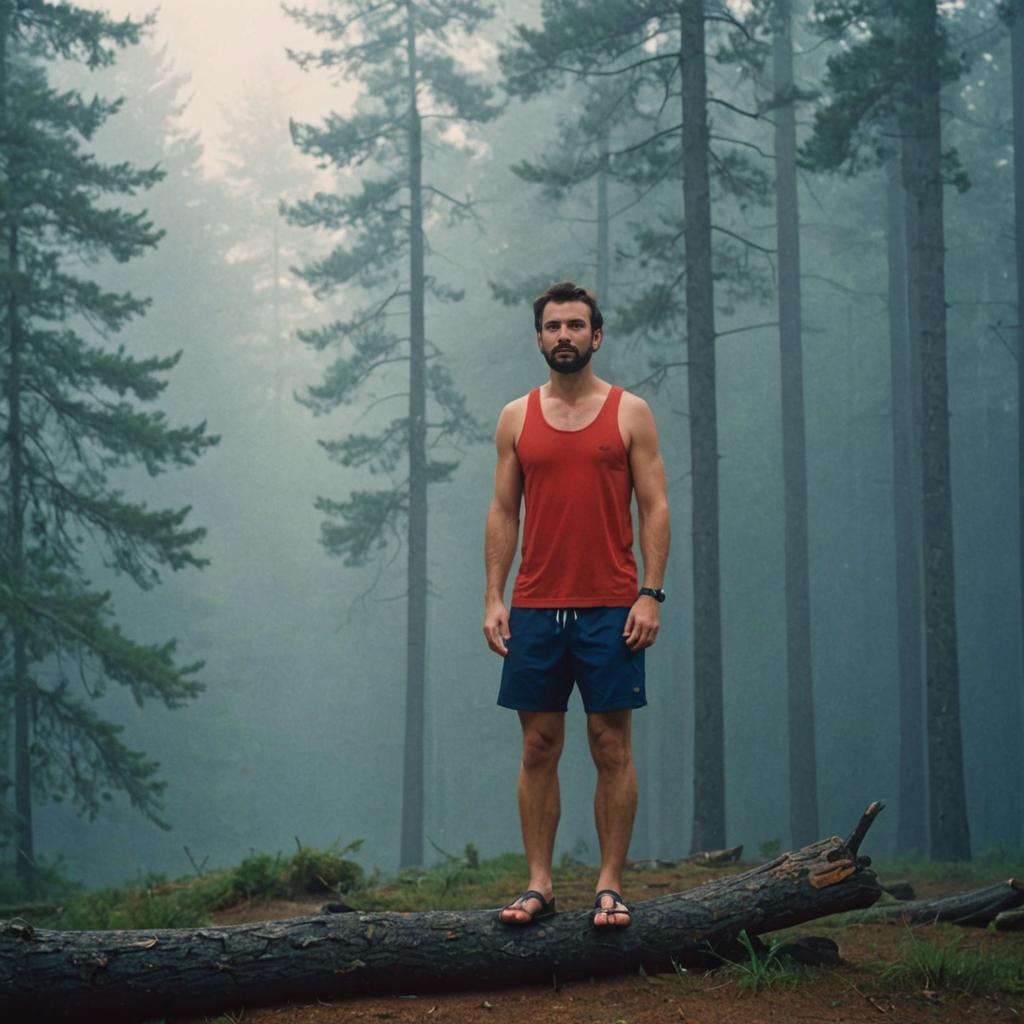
x=511, y=419
x=517, y=404
x=632, y=403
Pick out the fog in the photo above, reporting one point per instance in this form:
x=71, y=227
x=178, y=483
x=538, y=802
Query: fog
x=299, y=732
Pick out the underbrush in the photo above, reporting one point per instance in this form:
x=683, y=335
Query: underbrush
x=156, y=902
x=937, y=965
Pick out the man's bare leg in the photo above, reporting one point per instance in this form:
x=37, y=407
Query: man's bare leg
x=539, y=803
x=614, y=802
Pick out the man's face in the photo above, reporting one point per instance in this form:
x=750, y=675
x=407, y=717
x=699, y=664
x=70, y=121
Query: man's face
x=565, y=339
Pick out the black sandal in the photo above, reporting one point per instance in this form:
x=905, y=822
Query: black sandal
x=546, y=909
x=598, y=909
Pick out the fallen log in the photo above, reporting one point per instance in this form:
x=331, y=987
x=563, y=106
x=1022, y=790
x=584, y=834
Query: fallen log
x=134, y=975
x=705, y=859
x=975, y=908
x=1010, y=921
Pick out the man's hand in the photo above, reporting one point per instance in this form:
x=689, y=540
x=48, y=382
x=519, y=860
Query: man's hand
x=496, y=626
x=642, y=623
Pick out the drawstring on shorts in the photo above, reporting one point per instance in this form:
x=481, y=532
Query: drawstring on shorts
x=562, y=617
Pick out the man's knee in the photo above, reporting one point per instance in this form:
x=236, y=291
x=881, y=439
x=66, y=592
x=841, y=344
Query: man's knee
x=542, y=747
x=610, y=744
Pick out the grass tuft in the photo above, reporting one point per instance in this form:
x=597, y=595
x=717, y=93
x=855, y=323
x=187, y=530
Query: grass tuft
x=932, y=965
x=763, y=968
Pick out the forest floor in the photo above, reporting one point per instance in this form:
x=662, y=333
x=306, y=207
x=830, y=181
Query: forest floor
x=934, y=973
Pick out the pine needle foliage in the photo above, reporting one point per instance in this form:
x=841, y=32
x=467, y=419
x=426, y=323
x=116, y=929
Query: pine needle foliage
x=412, y=88
x=402, y=54
x=625, y=61
x=76, y=408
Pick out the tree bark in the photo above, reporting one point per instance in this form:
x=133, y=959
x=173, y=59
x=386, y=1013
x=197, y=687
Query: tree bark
x=911, y=824
x=130, y=975
x=922, y=174
x=1017, y=86
x=24, y=843
x=709, y=729
x=803, y=771
x=416, y=602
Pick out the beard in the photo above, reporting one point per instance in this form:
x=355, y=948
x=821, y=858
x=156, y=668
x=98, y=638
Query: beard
x=574, y=365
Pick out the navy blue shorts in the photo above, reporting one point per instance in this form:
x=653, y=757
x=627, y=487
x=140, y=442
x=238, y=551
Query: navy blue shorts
x=550, y=649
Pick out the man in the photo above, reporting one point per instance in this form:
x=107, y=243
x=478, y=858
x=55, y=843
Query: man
x=576, y=449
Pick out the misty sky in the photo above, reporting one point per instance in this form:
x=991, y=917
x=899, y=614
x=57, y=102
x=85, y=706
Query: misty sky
x=228, y=46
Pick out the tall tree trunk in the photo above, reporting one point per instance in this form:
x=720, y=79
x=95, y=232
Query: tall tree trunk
x=416, y=643
x=23, y=832
x=911, y=826
x=603, y=249
x=611, y=357
x=803, y=771
x=709, y=730
x=1017, y=74
x=922, y=152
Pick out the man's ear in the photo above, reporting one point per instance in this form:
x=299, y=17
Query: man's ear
x=598, y=338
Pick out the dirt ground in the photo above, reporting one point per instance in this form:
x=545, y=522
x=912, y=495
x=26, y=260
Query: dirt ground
x=852, y=993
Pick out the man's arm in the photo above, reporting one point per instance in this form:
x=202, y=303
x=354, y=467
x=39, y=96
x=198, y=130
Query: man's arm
x=502, y=532
x=651, y=489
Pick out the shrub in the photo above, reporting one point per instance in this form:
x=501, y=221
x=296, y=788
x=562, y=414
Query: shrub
x=328, y=871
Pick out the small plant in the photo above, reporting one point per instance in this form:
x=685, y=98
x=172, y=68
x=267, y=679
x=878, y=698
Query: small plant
x=763, y=968
x=768, y=849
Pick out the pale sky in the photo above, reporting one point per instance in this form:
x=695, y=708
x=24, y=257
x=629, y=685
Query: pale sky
x=228, y=46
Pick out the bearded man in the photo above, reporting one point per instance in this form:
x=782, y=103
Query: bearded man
x=574, y=452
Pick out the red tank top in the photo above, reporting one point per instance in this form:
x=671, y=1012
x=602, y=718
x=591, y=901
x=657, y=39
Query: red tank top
x=578, y=532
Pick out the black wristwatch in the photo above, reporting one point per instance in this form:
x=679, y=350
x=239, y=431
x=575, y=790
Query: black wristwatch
x=658, y=595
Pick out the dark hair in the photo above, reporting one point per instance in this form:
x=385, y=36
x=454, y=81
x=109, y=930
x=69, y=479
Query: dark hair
x=566, y=291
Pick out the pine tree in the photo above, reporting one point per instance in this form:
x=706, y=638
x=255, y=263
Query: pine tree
x=71, y=417
x=889, y=77
x=264, y=170
x=1017, y=74
x=803, y=769
x=403, y=52
x=912, y=824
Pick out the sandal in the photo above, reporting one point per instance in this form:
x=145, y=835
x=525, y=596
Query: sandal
x=546, y=909
x=598, y=909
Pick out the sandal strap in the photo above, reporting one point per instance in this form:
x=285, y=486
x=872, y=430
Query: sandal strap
x=615, y=896
x=530, y=894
